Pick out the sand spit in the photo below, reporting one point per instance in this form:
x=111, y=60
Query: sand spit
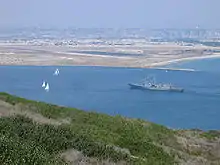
x=151, y=56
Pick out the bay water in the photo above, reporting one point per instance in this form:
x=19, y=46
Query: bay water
x=106, y=90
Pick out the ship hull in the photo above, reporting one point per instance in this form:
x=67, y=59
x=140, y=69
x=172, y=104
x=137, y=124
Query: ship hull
x=140, y=87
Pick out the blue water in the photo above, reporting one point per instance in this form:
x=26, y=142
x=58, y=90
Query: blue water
x=105, y=90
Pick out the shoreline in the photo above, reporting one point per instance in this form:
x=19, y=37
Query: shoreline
x=56, y=56
x=103, y=66
x=163, y=63
x=155, y=65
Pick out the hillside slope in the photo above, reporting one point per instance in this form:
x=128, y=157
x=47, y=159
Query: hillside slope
x=37, y=132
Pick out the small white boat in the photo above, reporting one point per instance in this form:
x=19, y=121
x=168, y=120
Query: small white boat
x=47, y=88
x=56, y=73
x=44, y=84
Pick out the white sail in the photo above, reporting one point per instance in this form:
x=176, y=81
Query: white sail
x=56, y=72
x=44, y=84
x=47, y=88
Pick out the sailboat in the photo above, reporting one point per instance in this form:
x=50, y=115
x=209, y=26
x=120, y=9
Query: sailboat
x=56, y=73
x=47, y=88
x=44, y=84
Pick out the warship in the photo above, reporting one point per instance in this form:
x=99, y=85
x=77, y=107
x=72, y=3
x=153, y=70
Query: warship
x=152, y=86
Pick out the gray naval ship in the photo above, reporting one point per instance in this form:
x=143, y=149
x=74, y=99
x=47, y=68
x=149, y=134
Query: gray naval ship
x=152, y=86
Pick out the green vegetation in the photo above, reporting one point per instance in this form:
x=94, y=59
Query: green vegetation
x=27, y=141
x=23, y=141
x=211, y=135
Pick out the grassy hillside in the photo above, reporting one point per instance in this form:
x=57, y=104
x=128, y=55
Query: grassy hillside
x=35, y=132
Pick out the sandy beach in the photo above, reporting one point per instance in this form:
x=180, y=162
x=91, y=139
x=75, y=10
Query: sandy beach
x=118, y=56
x=184, y=59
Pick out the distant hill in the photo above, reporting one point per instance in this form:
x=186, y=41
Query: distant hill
x=38, y=133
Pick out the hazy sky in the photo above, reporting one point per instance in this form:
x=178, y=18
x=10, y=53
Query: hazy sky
x=111, y=13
